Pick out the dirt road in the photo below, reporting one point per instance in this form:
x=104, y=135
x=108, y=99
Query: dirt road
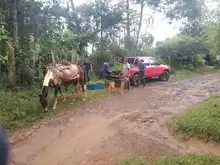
x=101, y=131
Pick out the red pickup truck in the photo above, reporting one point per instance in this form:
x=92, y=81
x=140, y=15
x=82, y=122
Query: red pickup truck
x=153, y=69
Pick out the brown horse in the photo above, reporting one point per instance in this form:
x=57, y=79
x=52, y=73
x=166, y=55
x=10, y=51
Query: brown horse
x=62, y=73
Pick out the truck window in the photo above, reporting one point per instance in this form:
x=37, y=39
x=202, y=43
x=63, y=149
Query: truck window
x=146, y=61
x=153, y=62
x=136, y=61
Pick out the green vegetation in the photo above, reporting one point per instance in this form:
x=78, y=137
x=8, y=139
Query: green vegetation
x=189, y=160
x=66, y=31
x=171, y=160
x=131, y=160
x=18, y=109
x=117, y=67
x=202, y=121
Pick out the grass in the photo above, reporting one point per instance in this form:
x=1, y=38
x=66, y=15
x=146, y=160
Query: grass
x=184, y=73
x=189, y=160
x=202, y=121
x=181, y=74
x=18, y=109
x=131, y=160
x=171, y=160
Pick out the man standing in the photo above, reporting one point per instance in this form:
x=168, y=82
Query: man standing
x=104, y=70
x=88, y=69
x=125, y=71
x=142, y=68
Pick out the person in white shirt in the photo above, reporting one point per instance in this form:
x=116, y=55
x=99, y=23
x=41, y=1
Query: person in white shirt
x=125, y=71
x=126, y=68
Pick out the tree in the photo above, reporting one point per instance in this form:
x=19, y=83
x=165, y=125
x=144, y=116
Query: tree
x=143, y=3
x=14, y=32
x=181, y=51
x=189, y=11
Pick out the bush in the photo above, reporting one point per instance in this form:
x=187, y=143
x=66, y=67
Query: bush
x=202, y=121
x=198, y=61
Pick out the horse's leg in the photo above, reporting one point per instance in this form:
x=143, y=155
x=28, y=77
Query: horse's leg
x=77, y=89
x=84, y=91
x=83, y=83
x=64, y=97
x=55, y=97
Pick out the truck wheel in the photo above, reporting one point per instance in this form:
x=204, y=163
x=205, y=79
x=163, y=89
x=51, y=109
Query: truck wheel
x=135, y=80
x=165, y=76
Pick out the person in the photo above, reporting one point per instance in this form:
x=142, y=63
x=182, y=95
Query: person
x=88, y=69
x=104, y=70
x=4, y=147
x=125, y=71
x=141, y=72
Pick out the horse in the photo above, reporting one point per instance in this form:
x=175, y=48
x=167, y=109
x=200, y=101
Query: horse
x=62, y=73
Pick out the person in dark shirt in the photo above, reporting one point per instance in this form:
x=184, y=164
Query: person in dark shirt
x=4, y=147
x=88, y=69
x=104, y=70
x=142, y=68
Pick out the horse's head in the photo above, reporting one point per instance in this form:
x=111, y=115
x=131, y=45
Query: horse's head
x=44, y=99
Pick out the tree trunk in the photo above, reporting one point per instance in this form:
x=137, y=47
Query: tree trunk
x=101, y=28
x=128, y=27
x=14, y=32
x=128, y=19
x=53, y=56
x=21, y=28
x=72, y=4
x=139, y=26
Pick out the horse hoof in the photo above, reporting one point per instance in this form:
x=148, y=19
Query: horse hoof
x=84, y=100
x=54, y=108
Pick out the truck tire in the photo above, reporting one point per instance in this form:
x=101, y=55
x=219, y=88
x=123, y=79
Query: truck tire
x=165, y=76
x=135, y=80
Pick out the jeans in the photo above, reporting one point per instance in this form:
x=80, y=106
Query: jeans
x=142, y=77
x=88, y=75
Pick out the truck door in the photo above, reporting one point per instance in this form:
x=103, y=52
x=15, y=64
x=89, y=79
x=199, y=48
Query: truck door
x=147, y=70
x=155, y=68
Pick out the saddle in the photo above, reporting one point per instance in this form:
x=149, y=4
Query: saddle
x=65, y=71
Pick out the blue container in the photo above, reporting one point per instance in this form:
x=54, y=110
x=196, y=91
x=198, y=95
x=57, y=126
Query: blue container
x=95, y=86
